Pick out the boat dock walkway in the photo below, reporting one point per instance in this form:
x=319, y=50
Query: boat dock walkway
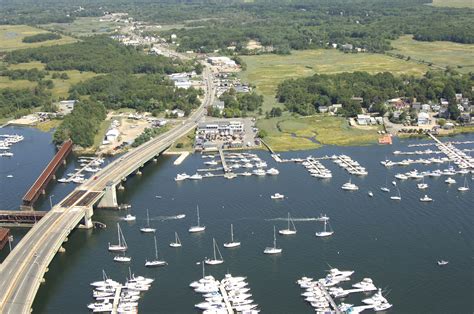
x=181, y=158
x=461, y=159
x=77, y=174
x=316, y=165
x=116, y=299
x=226, y=299
x=224, y=163
x=347, y=163
x=329, y=298
x=268, y=147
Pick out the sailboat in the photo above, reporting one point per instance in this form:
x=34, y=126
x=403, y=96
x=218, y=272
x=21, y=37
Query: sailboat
x=274, y=249
x=288, y=231
x=325, y=232
x=177, y=242
x=155, y=262
x=465, y=187
x=232, y=243
x=396, y=197
x=122, y=244
x=385, y=187
x=147, y=229
x=215, y=261
x=422, y=185
x=197, y=228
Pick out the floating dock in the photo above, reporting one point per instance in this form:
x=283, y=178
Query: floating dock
x=226, y=299
x=116, y=299
x=329, y=298
x=181, y=158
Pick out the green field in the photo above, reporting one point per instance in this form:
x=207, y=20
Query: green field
x=440, y=53
x=85, y=26
x=297, y=133
x=11, y=37
x=267, y=71
x=454, y=3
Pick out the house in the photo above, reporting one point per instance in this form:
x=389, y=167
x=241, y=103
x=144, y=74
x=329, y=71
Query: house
x=443, y=102
x=358, y=99
x=458, y=97
x=465, y=117
x=185, y=84
x=423, y=118
x=66, y=106
x=416, y=106
x=112, y=135
x=346, y=47
x=435, y=107
x=178, y=113
x=363, y=119
x=334, y=108
x=425, y=107
x=323, y=109
x=216, y=127
x=443, y=113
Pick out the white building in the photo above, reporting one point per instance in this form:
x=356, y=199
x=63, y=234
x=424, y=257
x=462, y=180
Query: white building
x=229, y=127
x=222, y=61
x=178, y=112
x=423, y=118
x=363, y=119
x=112, y=135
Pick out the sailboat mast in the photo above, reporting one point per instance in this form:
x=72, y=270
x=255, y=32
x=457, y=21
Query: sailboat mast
x=288, y=221
x=197, y=210
x=231, y=233
x=214, y=247
x=147, y=218
x=274, y=238
x=118, y=235
x=156, y=249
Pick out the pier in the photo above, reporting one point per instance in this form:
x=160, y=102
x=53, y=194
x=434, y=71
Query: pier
x=116, y=299
x=329, y=298
x=224, y=163
x=350, y=165
x=455, y=154
x=181, y=158
x=225, y=297
x=40, y=184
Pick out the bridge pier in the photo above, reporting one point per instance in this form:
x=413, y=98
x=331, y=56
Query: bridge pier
x=109, y=200
x=139, y=173
x=88, y=218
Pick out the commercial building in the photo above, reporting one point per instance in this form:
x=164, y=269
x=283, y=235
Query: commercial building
x=220, y=127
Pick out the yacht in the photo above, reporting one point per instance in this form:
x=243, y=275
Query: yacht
x=105, y=281
x=122, y=259
x=147, y=229
x=211, y=163
x=426, y=198
x=442, y=263
x=181, y=177
x=129, y=217
x=367, y=284
x=63, y=180
x=259, y=172
x=277, y=196
x=465, y=187
x=232, y=243
x=273, y=171
x=337, y=274
x=122, y=244
x=156, y=262
x=215, y=261
x=177, y=241
x=422, y=186
x=450, y=181
x=197, y=228
x=274, y=249
x=401, y=176
x=375, y=299
x=288, y=231
x=382, y=306
x=196, y=176
x=349, y=186
x=246, y=174
x=325, y=232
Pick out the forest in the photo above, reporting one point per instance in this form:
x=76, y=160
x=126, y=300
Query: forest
x=32, y=75
x=238, y=104
x=98, y=54
x=19, y=102
x=81, y=124
x=40, y=37
x=151, y=93
x=306, y=95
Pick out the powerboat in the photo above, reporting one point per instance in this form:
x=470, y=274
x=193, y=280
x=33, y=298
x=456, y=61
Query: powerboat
x=370, y=194
x=442, y=263
x=450, y=181
x=426, y=198
x=129, y=217
x=273, y=171
x=181, y=177
x=375, y=299
x=122, y=259
x=367, y=284
x=277, y=196
x=196, y=176
x=349, y=186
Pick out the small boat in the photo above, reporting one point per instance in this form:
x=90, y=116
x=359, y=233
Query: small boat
x=450, y=181
x=288, y=231
x=382, y=306
x=246, y=174
x=10, y=176
x=180, y=216
x=215, y=261
x=197, y=228
x=422, y=185
x=465, y=187
x=325, y=232
x=273, y=171
x=396, y=197
x=196, y=176
x=181, y=177
x=370, y=194
x=177, y=242
x=122, y=259
x=156, y=262
x=274, y=249
x=277, y=196
x=401, y=176
x=394, y=183
x=385, y=189
x=129, y=217
x=147, y=229
x=443, y=262
x=349, y=186
x=426, y=198
x=122, y=244
x=232, y=243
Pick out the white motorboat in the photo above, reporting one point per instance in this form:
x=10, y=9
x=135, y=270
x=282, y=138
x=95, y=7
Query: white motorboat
x=211, y=163
x=274, y=249
x=396, y=197
x=273, y=171
x=337, y=274
x=259, y=172
x=232, y=243
x=122, y=244
x=63, y=180
x=277, y=196
x=401, y=176
x=246, y=174
x=288, y=230
x=122, y=259
x=450, y=181
x=196, y=176
x=180, y=216
x=394, y=183
x=370, y=194
x=325, y=232
x=349, y=186
x=465, y=187
x=376, y=298
x=129, y=217
x=147, y=229
x=442, y=263
x=156, y=262
x=215, y=260
x=181, y=177
x=105, y=282
x=197, y=228
x=382, y=306
x=177, y=241
x=367, y=284
x=426, y=198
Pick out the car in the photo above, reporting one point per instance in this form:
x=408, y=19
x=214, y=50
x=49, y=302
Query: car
x=95, y=178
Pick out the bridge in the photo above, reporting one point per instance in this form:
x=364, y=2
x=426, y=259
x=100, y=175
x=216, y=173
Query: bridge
x=16, y=218
x=22, y=271
x=40, y=184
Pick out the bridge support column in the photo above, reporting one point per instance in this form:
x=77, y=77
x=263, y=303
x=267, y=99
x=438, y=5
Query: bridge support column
x=109, y=200
x=88, y=218
x=139, y=173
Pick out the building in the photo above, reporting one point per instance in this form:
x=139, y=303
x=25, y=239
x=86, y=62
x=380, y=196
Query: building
x=222, y=61
x=66, y=106
x=112, y=135
x=185, y=84
x=423, y=118
x=425, y=107
x=347, y=47
x=363, y=119
x=178, y=113
x=323, y=109
x=334, y=108
x=220, y=127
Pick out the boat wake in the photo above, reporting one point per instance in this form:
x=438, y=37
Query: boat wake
x=294, y=219
x=164, y=218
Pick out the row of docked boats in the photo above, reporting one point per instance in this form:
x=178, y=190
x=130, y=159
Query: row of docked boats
x=351, y=166
x=316, y=168
x=322, y=294
x=229, y=295
x=7, y=141
x=88, y=165
x=256, y=172
x=112, y=296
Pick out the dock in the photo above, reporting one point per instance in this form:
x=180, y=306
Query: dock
x=224, y=163
x=329, y=298
x=347, y=163
x=181, y=158
x=455, y=154
x=226, y=299
x=268, y=147
x=116, y=299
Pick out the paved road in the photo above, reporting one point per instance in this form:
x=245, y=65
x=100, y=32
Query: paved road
x=22, y=271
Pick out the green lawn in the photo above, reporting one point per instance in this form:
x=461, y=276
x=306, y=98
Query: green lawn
x=85, y=26
x=454, y=3
x=441, y=53
x=297, y=133
x=267, y=71
x=11, y=37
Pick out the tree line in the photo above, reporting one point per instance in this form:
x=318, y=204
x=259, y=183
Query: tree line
x=40, y=37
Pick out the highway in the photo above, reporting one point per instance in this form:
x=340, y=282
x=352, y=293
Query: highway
x=23, y=270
